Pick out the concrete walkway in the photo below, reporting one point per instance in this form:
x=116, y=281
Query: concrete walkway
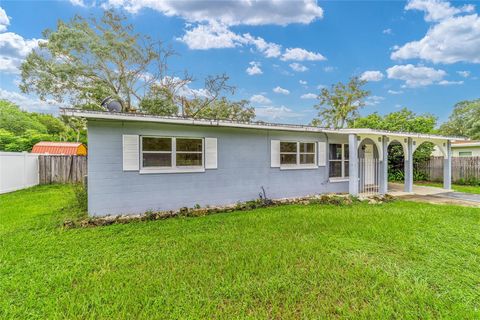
x=435, y=195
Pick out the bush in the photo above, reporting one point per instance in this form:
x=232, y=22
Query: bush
x=396, y=175
x=81, y=195
x=471, y=181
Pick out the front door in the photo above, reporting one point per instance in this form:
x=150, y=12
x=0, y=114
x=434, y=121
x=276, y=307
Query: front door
x=369, y=165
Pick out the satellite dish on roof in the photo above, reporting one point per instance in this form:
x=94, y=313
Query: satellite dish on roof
x=111, y=105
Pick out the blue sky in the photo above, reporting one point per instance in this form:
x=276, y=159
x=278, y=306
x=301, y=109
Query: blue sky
x=422, y=54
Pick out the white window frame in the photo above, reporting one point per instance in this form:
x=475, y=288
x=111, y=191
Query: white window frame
x=342, y=161
x=298, y=165
x=173, y=168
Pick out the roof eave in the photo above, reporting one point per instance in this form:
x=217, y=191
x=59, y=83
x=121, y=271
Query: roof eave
x=101, y=115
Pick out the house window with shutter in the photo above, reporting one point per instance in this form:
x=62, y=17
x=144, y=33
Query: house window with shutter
x=172, y=154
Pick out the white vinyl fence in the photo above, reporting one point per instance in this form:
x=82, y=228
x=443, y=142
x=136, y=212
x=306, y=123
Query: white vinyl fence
x=18, y=170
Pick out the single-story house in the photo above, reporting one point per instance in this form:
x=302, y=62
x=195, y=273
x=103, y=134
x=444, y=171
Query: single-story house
x=140, y=162
x=60, y=148
x=462, y=148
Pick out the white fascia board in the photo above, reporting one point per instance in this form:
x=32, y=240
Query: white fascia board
x=196, y=122
x=394, y=134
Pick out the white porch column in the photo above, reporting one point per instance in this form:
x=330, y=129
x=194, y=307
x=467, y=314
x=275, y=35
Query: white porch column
x=447, y=167
x=353, y=164
x=383, y=188
x=409, y=167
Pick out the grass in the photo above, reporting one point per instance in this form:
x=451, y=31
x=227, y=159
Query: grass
x=394, y=260
x=455, y=187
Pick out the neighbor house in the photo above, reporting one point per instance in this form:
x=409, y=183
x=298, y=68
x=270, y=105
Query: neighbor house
x=141, y=162
x=462, y=148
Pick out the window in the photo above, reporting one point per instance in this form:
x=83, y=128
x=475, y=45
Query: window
x=465, y=153
x=168, y=153
x=338, y=160
x=189, y=152
x=297, y=153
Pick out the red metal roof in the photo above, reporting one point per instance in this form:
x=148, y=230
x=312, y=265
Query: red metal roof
x=67, y=148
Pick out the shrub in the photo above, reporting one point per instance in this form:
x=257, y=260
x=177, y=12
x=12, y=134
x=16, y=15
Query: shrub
x=81, y=194
x=470, y=181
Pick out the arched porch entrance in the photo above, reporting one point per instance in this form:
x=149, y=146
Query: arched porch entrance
x=368, y=167
x=369, y=173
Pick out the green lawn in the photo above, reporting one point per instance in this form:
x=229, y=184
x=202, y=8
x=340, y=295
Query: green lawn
x=455, y=187
x=396, y=260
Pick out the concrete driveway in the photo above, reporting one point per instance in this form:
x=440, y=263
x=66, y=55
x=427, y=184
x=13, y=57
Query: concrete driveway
x=435, y=195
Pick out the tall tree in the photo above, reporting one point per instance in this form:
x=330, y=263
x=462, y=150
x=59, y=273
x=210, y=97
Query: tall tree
x=403, y=120
x=220, y=109
x=464, y=120
x=86, y=60
x=20, y=130
x=340, y=104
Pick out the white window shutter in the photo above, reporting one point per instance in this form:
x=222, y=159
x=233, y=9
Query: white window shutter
x=322, y=154
x=275, y=154
x=131, y=152
x=211, y=153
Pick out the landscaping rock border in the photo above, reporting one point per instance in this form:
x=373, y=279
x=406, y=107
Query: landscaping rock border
x=329, y=199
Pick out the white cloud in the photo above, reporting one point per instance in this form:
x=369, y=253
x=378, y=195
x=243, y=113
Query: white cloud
x=9, y=65
x=449, y=83
x=309, y=96
x=268, y=49
x=395, y=91
x=231, y=12
x=321, y=86
x=298, y=67
x=254, y=68
x=217, y=35
x=387, y=31
x=464, y=74
x=13, y=50
x=260, y=99
x=451, y=39
x=299, y=54
x=373, y=100
x=372, y=76
x=329, y=69
x=4, y=20
x=415, y=76
x=78, y=3
x=303, y=82
x=436, y=10
x=211, y=36
x=281, y=90
x=29, y=103
x=275, y=113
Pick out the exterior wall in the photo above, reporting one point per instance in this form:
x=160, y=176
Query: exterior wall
x=243, y=168
x=456, y=151
x=474, y=150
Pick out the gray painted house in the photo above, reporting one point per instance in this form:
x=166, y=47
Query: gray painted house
x=139, y=162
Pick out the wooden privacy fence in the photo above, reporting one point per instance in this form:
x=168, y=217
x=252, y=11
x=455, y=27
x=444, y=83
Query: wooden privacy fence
x=463, y=168
x=62, y=169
